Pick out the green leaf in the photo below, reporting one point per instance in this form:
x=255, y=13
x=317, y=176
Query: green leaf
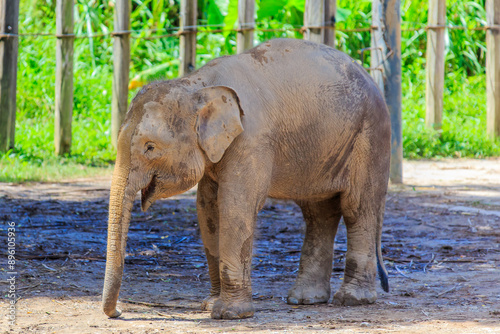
x=342, y=14
x=300, y=5
x=222, y=5
x=231, y=16
x=214, y=13
x=270, y=8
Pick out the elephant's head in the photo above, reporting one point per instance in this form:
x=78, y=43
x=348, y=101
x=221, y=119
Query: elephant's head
x=170, y=134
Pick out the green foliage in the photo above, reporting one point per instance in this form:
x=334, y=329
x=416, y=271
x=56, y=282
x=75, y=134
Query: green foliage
x=463, y=133
x=359, y=17
x=464, y=117
x=20, y=166
x=279, y=14
x=152, y=58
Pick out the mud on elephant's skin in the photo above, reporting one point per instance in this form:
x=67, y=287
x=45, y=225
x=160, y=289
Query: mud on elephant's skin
x=288, y=119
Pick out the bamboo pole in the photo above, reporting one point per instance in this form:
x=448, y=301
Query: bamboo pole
x=378, y=49
x=246, y=25
x=64, y=76
x=388, y=37
x=9, y=16
x=329, y=20
x=392, y=70
x=493, y=68
x=188, y=15
x=435, y=63
x=121, y=66
x=314, y=15
x=319, y=21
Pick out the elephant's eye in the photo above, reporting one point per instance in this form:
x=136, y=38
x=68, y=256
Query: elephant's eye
x=149, y=147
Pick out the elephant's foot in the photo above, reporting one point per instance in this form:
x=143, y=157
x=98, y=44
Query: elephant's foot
x=232, y=310
x=352, y=295
x=309, y=294
x=208, y=303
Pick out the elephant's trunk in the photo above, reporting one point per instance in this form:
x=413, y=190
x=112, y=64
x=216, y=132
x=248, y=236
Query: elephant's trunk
x=120, y=204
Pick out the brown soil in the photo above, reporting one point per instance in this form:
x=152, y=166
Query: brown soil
x=440, y=243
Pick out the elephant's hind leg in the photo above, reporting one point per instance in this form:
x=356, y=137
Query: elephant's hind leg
x=363, y=224
x=208, y=219
x=313, y=280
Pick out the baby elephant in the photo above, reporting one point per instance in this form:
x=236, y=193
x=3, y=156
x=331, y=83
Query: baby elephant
x=288, y=119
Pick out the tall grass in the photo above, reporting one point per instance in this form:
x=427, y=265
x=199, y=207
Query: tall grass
x=464, y=124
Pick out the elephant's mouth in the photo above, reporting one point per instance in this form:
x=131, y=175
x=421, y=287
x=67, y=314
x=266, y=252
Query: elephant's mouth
x=148, y=193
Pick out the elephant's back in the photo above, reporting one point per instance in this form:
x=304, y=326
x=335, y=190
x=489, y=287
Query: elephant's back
x=288, y=51
x=301, y=59
x=297, y=83
x=296, y=75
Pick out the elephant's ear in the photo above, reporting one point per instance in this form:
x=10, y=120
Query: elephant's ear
x=219, y=120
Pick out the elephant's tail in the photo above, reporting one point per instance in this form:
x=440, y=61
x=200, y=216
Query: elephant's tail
x=382, y=272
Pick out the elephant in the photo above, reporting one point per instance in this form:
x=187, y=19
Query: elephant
x=288, y=119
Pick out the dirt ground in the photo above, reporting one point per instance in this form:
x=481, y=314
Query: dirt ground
x=440, y=243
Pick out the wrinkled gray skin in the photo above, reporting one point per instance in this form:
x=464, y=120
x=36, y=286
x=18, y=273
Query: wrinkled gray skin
x=288, y=119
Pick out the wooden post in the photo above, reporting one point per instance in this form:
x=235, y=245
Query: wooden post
x=435, y=63
x=64, y=76
x=378, y=49
x=493, y=67
x=9, y=16
x=313, y=19
x=392, y=70
x=188, y=15
x=246, y=25
x=319, y=21
x=388, y=37
x=121, y=64
x=329, y=20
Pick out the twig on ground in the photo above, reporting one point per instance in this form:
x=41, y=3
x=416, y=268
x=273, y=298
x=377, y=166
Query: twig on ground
x=432, y=259
x=60, y=303
x=464, y=261
x=60, y=256
x=29, y=287
x=49, y=268
x=387, y=258
x=157, y=304
x=180, y=240
x=473, y=229
x=145, y=303
x=447, y=291
x=399, y=271
x=88, y=252
x=162, y=314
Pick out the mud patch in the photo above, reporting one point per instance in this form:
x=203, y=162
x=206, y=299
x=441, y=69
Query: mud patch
x=259, y=54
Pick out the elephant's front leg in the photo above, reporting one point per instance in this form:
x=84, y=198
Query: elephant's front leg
x=208, y=220
x=238, y=207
